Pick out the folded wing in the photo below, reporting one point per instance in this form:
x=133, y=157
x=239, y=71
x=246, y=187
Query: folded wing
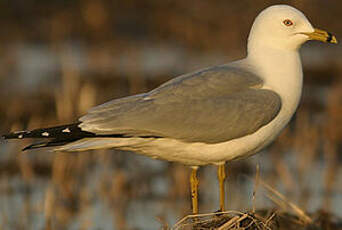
x=213, y=105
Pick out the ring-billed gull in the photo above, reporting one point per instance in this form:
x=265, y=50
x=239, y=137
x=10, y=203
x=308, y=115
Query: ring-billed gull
x=210, y=116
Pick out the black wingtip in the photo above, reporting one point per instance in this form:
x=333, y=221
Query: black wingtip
x=26, y=148
x=2, y=138
x=7, y=136
x=35, y=146
x=54, y=136
x=15, y=135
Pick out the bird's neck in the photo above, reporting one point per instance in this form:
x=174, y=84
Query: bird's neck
x=281, y=71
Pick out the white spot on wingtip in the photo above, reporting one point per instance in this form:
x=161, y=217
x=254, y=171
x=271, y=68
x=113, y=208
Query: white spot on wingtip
x=20, y=136
x=66, y=130
x=45, y=134
x=24, y=131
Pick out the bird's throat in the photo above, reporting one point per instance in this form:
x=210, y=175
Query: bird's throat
x=281, y=72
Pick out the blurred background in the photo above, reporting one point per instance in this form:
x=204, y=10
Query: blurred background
x=58, y=58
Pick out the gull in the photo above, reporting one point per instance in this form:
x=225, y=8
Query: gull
x=211, y=116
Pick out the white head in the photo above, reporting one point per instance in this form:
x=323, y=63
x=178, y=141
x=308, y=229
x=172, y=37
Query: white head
x=283, y=27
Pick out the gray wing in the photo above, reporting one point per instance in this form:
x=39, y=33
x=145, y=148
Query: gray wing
x=213, y=105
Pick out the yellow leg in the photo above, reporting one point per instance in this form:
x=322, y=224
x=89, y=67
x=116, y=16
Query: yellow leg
x=194, y=190
x=221, y=174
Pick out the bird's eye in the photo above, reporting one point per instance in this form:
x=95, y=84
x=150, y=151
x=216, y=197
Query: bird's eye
x=288, y=22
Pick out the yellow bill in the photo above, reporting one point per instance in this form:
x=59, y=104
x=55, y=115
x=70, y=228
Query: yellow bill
x=322, y=35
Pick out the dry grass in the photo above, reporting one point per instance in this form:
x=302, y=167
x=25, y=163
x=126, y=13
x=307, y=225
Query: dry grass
x=267, y=219
x=260, y=220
